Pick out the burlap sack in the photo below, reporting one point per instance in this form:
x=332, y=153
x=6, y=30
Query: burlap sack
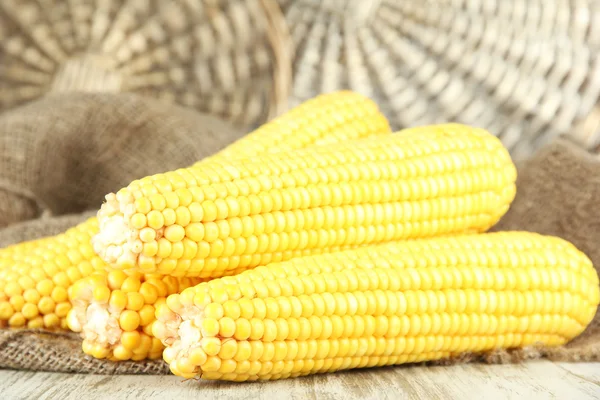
x=63, y=153
x=557, y=194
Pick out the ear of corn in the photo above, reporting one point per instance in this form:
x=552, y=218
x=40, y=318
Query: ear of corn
x=220, y=219
x=396, y=303
x=35, y=276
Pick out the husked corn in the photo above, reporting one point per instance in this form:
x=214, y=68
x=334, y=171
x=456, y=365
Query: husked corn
x=415, y=300
x=218, y=219
x=114, y=313
x=53, y=264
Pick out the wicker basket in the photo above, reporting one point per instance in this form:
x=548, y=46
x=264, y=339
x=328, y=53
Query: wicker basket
x=229, y=58
x=527, y=70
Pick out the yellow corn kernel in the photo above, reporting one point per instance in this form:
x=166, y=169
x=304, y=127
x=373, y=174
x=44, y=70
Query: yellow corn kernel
x=36, y=323
x=17, y=320
x=44, y=287
x=118, y=300
x=59, y=294
x=135, y=301
x=131, y=284
x=17, y=302
x=155, y=220
x=29, y=311
x=101, y=294
x=169, y=217
x=129, y=320
x=147, y=235
x=146, y=314
x=62, y=309
x=131, y=340
x=174, y=233
x=393, y=303
x=138, y=221
x=149, y=293
x=46, y=305
x=31, y=296
x=121, y=353
x=115, y=279
x=51, y=321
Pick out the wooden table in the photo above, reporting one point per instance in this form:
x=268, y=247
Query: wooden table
x=531, y=380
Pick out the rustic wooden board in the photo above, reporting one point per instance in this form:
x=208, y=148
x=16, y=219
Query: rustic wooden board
x=532, y=380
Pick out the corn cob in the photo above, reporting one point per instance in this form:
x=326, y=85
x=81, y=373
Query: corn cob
x=416, y=300
x=53, y=264
x=223, y=218
x=114, y=312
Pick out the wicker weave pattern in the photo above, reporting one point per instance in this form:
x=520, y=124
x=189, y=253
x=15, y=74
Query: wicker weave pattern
x=528, y=70
x=228, y=58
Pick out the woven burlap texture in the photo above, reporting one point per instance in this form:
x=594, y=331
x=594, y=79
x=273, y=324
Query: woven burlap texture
x=561, y=177
x=63, y=153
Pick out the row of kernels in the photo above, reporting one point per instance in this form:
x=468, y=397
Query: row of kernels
x=371, y=353
x=404, y=273
x=233, y=264
x=211, y=239
x=334, y=327
x=183, y=196
x=290, y=221
x=255, y=370
x=232, y=247
x=312, y=349
x=377, y=303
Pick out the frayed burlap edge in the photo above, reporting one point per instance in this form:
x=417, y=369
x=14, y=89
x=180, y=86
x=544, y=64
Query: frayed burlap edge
x=40, y=350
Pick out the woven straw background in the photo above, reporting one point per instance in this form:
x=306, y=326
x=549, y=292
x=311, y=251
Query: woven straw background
x=528, y=71
x=224, y=57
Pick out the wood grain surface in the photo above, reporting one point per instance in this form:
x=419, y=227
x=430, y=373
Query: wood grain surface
x=531, y=380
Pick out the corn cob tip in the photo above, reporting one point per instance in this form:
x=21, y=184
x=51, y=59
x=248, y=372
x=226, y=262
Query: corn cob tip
x=116, y=241
x=94, y=317
x=182, y=334
x=114, y=311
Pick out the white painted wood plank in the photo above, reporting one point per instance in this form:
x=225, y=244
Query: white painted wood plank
x=532, y=380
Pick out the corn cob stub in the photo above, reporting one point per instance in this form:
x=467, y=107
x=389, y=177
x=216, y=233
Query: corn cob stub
x=396, y=303
x=219, y=219
x=344, y=115
x=114, y=311
x=35, y=277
